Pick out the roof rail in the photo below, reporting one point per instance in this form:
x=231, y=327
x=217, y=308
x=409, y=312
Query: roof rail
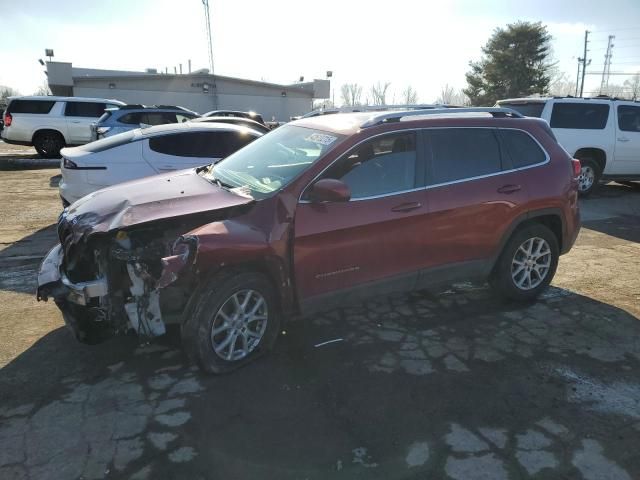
x=387, y=117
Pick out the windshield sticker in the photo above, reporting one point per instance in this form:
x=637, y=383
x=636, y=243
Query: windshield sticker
x=321, y=138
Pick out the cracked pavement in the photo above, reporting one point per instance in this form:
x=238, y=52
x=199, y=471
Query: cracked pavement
x=434, y=384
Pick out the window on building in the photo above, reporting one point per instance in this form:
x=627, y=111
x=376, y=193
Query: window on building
x=586, y=115
x=461, y=153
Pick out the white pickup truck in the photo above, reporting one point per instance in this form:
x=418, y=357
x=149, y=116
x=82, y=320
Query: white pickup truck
x=602, y=132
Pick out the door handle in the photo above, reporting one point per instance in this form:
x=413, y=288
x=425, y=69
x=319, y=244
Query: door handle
x=509, y=189
x=623, y=139
x=75, y=121
x=406, y=207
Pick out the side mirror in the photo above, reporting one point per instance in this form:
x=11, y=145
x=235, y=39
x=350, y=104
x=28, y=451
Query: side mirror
x=330, y=190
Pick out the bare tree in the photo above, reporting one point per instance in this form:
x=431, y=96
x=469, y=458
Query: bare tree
x=446, y=94
x=43, y=89
x=379, y=93
x=323, y=104
x=614, y=90
x=451, y=96
x=6, y=92
x=409, y=96
x=633, y=87
x=351, y=94
x=561, y=84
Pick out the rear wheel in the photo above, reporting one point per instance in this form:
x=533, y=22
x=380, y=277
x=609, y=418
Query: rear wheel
x=527, y=264
x=589, y=177
x=48, y=144
x=234, y=320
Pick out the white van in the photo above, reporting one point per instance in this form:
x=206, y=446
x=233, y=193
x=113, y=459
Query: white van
x=50, y=123
x=602, y=132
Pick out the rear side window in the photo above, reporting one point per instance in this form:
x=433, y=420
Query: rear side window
x=84, y=109
x=584, y=116
x=522, y=149
x=31, y=106
x=131, y=119
x=159, y=118
x=462, y=153
x=629, y=118
x=528, y=109
x=200, y=144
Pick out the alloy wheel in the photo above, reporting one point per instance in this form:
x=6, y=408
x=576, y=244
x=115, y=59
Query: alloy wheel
x=531, y=263
x=586, y=178
x=239, y=325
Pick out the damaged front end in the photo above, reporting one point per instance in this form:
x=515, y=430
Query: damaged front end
x=113, y=282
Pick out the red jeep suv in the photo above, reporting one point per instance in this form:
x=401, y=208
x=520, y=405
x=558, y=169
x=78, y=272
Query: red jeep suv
x=316, y=213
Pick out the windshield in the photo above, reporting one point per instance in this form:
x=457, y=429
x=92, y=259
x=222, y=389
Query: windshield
x=273, y=161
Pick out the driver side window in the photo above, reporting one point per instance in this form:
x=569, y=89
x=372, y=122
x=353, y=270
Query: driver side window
x=381, y=166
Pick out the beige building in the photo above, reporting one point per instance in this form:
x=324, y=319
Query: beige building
x=199, y=91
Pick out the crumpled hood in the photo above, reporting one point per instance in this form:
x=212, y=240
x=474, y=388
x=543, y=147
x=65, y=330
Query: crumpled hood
x=148, y=199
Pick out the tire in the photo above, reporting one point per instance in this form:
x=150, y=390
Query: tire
x=204, y=314
x=48, y=144
x=590, y=174
x=505, y=280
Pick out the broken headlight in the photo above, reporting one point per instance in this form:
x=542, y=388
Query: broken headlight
x=183, y=253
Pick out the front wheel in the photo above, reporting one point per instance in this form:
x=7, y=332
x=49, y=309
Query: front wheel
x=527, y=264
x=234, y=320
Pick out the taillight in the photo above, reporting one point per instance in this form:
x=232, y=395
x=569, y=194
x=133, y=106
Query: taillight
x=7, y=119
x=66, y=163
x=577, y=167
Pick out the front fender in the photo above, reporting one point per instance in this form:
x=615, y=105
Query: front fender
x=232, y=243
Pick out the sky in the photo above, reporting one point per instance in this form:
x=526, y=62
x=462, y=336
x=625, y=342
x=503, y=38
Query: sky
x=421, y=43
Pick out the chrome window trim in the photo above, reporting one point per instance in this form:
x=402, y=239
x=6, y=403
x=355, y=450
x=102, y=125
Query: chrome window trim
x=428, y=187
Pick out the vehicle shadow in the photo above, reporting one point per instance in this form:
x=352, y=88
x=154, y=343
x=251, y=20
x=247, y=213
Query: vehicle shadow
x=625, y=227
x=54, y=181
x=20, y=260
x=403, y=370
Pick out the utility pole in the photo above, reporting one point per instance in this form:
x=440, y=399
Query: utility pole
x=604, y=83
x=578, y=76
x=210, y=46
x=584, y=60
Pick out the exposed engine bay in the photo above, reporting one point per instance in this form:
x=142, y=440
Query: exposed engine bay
x=138, y=278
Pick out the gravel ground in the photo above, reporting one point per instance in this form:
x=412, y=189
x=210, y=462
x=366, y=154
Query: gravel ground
x=436, y=384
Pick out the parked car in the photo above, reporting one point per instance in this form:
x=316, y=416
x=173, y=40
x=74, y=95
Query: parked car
x=144, y=152
x=602, y=132
x=50, y=123
x=245, y=122
x=234, y=113
x=130, y=117
x=320, y=212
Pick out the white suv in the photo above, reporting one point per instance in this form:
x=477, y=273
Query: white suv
x=602, y=132
x=50, y=123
